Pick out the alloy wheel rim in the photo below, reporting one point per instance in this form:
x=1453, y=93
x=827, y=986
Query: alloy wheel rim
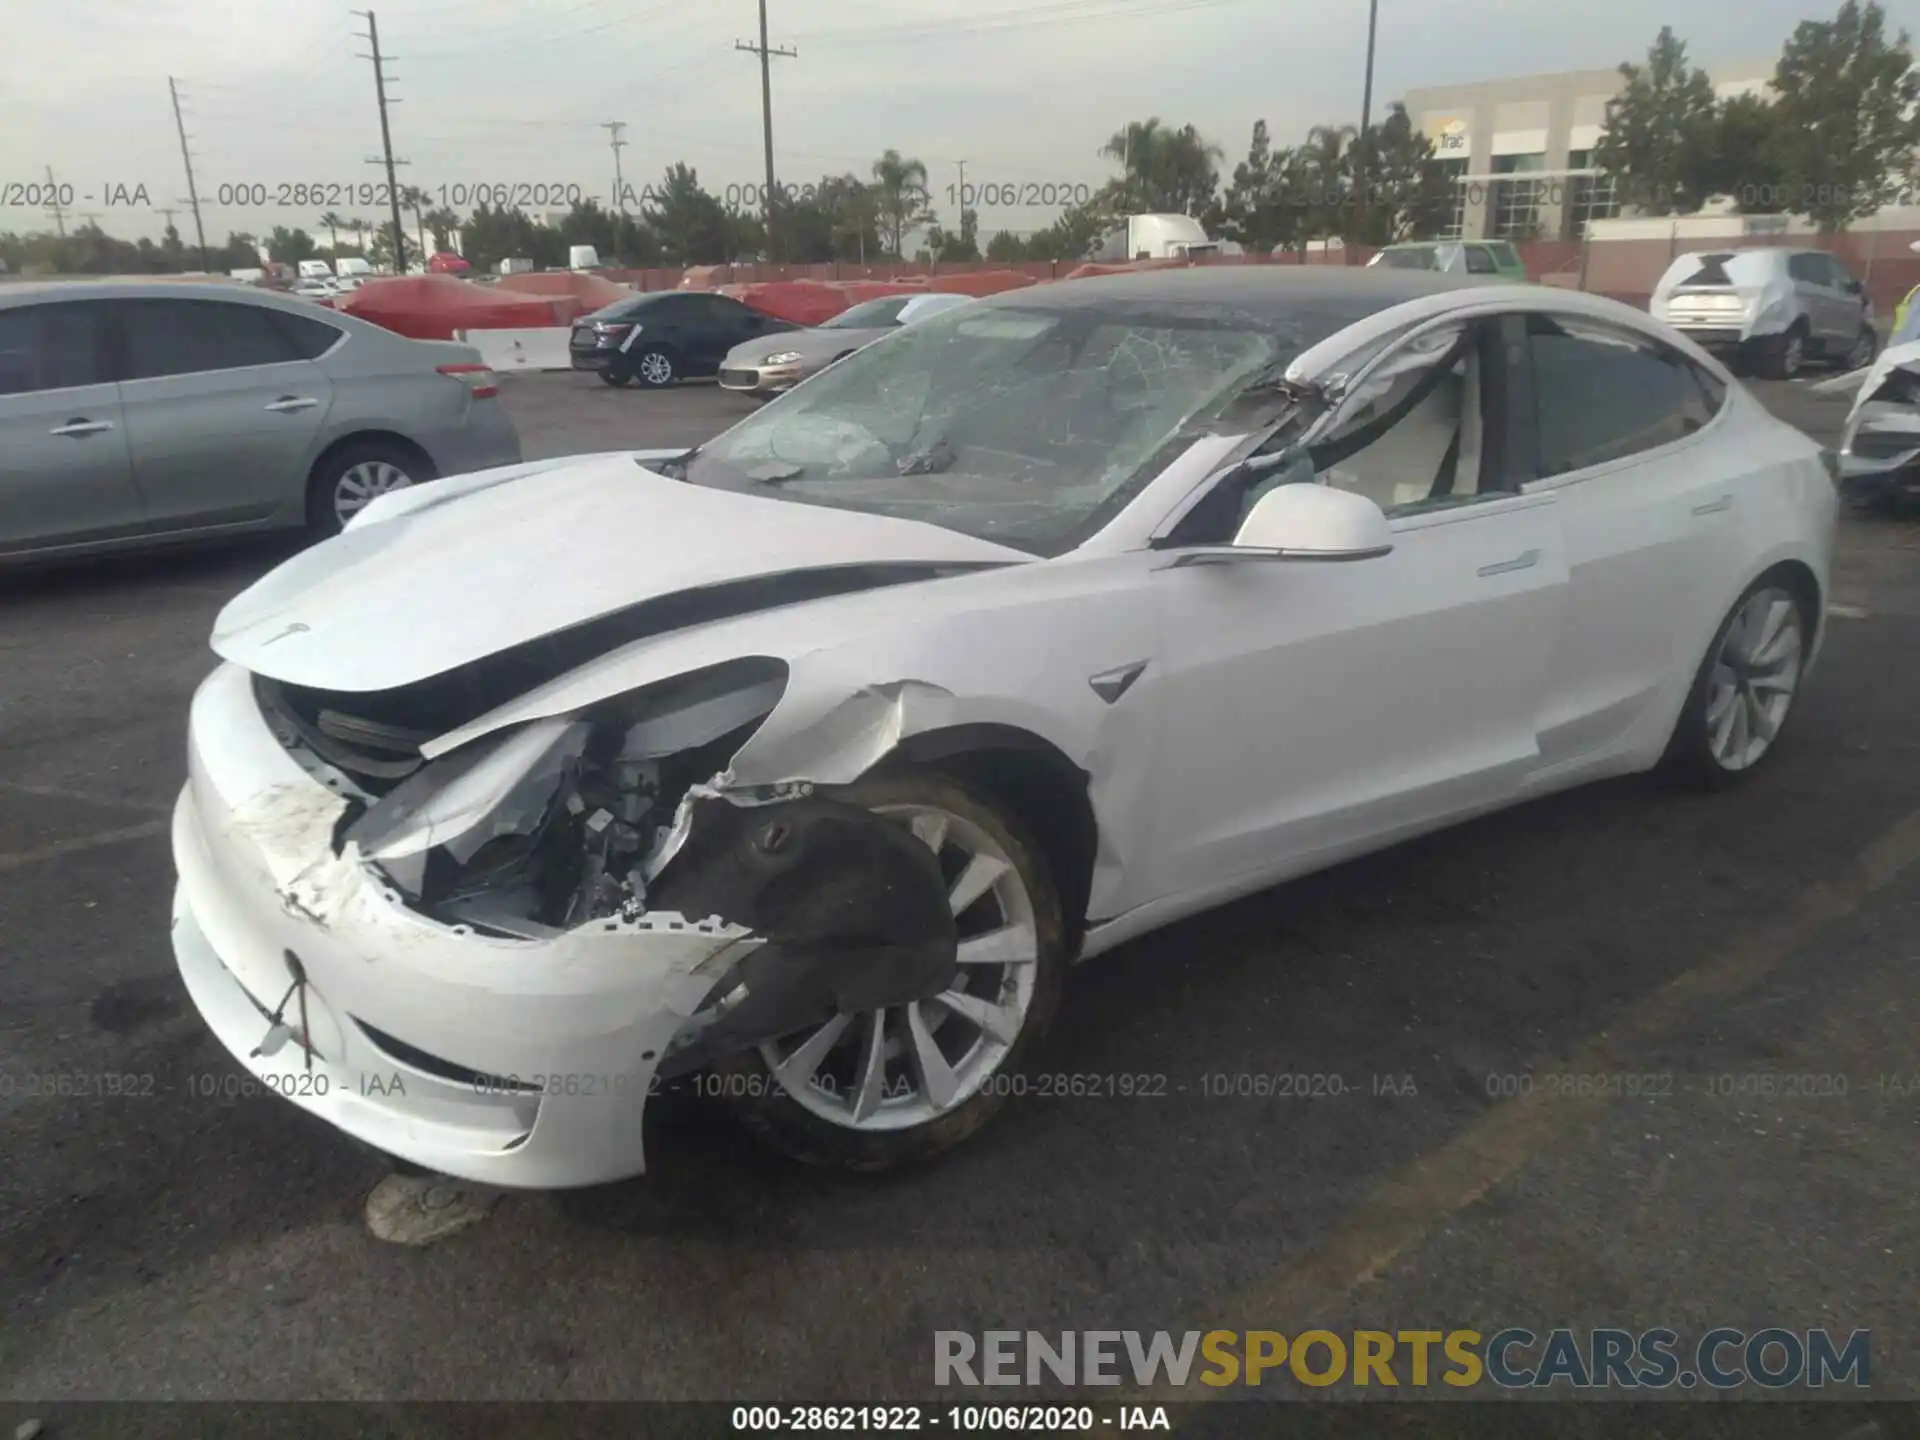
x=360, y=485
x=892, y=1069
x=1754, y=676
x=1862, y=352
x=1791, y=359
x=656, y=369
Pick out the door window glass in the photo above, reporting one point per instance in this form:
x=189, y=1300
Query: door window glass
x=49, y=347
x=188, y=337
x=1602, y=394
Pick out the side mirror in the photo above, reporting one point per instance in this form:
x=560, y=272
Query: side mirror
x=1852, y=286
x=1313, y=522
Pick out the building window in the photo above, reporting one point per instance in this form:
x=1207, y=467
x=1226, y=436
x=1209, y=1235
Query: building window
x=1456, y=222
x=1590, y=195
x=1515, y=202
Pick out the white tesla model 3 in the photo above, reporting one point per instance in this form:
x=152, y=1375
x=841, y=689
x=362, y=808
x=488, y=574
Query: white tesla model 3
x=808, y=760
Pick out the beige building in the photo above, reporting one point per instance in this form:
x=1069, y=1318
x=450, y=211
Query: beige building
x=1521, y=150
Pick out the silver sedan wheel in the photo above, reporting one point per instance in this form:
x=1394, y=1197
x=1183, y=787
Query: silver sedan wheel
x=360, y=485
x=1862, y=353
x=1793, y=355
x=656, y=369
x=1754, y=676
x=911, y=1064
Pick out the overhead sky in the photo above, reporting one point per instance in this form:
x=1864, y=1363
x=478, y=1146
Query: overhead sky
x=513, y=92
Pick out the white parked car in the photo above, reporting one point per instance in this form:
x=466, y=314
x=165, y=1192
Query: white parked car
x=817, y=754
x=1769, y=308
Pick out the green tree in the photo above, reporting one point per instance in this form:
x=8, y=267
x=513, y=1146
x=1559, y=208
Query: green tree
x=900, y=198
x=1407, y=193
x=1846, y=108
x=1744, y=168
x=1319, y=183
x=441, y=224
x=1659, y=142
x=333, y=222
x=950, y=246
x=692, y=225
x=290, y=247
x=1006, y=248
x=1163, y=170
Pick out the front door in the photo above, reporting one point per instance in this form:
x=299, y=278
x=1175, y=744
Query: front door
x=1311, y=710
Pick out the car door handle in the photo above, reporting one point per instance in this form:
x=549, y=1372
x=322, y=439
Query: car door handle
x=1506, y=567
x=80, y=425
x=287, y=404
x=1714, y=507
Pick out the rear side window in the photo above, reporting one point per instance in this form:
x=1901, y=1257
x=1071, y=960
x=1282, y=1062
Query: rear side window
x=310, y=338
x=1602, y=394
x=50, y=347
x=1711, y=270
x=190, y=337
x=1810, y=268
x=1479, y=262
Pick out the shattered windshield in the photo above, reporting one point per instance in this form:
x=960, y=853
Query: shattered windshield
x=1030, y=427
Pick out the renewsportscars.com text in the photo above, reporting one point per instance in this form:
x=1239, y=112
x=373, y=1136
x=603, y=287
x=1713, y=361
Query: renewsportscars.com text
x=1512, y=1358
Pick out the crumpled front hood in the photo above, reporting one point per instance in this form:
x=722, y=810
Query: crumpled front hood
x=812, y=346
x=470, y=566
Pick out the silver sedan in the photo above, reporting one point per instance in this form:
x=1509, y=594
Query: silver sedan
x=138, y=413
x=774, y=364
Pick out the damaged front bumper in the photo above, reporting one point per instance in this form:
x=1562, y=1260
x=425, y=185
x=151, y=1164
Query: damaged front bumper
x=1880, y=444
x=522, y=1061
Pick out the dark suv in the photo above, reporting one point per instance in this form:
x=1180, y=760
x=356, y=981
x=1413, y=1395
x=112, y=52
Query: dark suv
x=666, y=336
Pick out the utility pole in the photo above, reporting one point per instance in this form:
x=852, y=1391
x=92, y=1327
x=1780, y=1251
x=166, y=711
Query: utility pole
x=767, y=55
x=186, y=158
x=53, y=205
x=1362, y=172
x=386, y=140
x=614, y=129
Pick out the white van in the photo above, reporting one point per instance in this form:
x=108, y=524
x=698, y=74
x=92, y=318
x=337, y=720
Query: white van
x=583, y=257
x=315, y=270
x=353, y=265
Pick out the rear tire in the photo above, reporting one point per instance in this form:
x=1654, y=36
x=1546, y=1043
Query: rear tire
x=1782, y=357
x=1863, y=351
x=1743, y=693
x=655, y=368
x=1020, y=909
x=618, y=379
x=350, y=478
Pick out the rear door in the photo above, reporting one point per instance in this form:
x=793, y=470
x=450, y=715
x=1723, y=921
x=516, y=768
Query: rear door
x=1819, y=300
x=1618, y=438
x=223, y=412
x=64, y=473
x=1851, y=310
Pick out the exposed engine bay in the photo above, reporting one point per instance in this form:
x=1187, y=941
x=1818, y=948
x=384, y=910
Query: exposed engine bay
x=621, y=812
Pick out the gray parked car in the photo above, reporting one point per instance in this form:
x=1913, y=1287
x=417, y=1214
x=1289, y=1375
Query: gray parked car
x=132, y=414
x=1769, y=308
x=770, y=365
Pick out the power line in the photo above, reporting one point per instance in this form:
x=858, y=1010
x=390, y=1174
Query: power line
x=614, y=129
x=386, y=140
x=53, y=205
x=767, y=55
x=186, y=157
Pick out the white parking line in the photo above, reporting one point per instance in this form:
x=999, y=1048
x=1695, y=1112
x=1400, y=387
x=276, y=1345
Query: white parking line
x=85, y=797
x=1848, y=612
x=20, y=859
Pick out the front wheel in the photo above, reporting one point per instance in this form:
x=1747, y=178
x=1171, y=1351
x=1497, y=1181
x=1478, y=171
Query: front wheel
x=888, y=1087
x=1744, y=689
x=617, y=378
x=1864, y=346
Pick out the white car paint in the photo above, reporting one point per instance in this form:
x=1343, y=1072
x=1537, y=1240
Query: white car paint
x=1286, y=715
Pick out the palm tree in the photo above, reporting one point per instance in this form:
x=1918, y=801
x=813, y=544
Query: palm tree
x=443, y=222
x=900, y=197
x=1327, y=168
x=332, y=221
x=416, y=199
x=359, y=228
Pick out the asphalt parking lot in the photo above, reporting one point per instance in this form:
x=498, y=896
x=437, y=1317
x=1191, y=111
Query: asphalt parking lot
x=173, y=1243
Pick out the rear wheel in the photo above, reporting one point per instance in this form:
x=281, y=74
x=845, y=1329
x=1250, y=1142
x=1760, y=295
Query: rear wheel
x=617, y=378
x=888, y=1087
x=1744, y=689
x=655, y=368
x=1864, y=346
x=353, y=477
